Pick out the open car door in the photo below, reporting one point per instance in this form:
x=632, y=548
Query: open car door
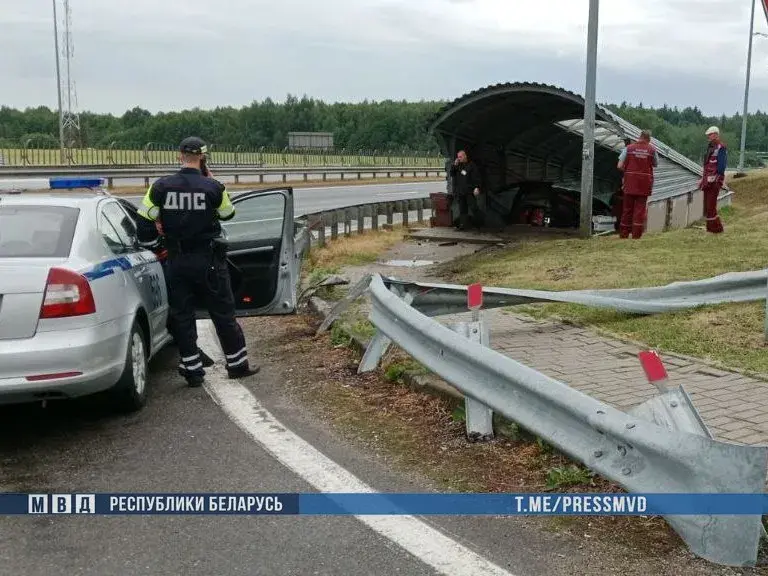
x=265, y=251
x=262, y=254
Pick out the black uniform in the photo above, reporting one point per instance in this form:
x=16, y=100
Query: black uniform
x=189, y=206
x=466, y=177
x=149, y=237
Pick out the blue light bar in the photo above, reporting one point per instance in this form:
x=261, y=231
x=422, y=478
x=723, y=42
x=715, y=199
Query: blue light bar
x=64, y=183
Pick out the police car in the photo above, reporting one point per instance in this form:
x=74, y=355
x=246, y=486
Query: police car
x=84, y=306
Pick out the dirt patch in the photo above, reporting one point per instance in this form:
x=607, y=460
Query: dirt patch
x=415, y=432
x=560, y=273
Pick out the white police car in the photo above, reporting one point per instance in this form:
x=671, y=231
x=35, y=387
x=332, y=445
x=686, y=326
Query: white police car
x=83, y=307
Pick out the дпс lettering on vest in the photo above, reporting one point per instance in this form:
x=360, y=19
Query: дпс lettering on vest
x=185, y=200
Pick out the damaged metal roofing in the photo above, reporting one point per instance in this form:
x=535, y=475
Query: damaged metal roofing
x=531, y=131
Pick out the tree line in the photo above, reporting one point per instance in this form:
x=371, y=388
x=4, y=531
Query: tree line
x=684, y=129
x=386, y=125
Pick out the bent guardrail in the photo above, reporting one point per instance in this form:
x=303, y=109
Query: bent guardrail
x=438, y=299
x=641, y=452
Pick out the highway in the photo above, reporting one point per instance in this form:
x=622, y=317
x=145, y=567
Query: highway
x=315, y=199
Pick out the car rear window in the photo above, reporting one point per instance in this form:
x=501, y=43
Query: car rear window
x=36, y=231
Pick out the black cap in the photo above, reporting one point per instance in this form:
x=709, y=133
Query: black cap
x=193, y=145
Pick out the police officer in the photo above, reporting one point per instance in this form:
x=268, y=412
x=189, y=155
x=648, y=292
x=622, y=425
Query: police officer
x=150, y=238
x=189, y=205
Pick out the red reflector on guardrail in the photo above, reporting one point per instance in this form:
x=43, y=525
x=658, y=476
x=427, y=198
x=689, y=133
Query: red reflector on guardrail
x=652, y=366
x=474, y=296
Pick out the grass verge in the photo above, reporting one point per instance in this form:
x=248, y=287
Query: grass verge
x=729, y=334
x=355, y=250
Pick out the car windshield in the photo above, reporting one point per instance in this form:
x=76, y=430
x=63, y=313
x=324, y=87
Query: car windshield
x=36, y=231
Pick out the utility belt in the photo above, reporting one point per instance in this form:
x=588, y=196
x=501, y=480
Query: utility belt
x=213, y=246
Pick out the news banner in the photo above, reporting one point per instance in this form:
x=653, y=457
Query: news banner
x=362, y=504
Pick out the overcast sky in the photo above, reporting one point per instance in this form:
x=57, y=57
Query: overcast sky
x=174, y=54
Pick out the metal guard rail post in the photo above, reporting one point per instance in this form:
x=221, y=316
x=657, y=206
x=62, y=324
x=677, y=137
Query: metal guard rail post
x=319, y=221
x=637, y=454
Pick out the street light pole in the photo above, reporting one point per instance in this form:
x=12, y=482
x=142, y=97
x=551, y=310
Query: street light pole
x=58, y=82
x=588, y=152
x=740, y=168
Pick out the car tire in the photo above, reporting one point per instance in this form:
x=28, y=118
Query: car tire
x=130, y=392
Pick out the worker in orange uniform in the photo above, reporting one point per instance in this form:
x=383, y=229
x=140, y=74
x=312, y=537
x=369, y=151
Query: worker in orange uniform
x=617, y=199
x=715, y=162
x=637, y=161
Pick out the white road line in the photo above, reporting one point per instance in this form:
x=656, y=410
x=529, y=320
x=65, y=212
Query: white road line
x=427, y=544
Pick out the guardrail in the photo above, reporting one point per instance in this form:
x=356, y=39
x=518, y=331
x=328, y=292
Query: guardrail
x=662, y=447
x=112, y=173
x=364, y=216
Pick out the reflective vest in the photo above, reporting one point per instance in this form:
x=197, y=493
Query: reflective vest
x=638, y=169
x=710, y=164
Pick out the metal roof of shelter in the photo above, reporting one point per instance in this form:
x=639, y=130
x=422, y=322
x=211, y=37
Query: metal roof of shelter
x=530, y=131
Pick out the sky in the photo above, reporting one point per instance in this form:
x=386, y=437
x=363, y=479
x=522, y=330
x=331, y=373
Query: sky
x=179, y=54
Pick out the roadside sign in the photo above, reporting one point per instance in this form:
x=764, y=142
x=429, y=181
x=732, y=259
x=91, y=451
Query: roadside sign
x=475, y=296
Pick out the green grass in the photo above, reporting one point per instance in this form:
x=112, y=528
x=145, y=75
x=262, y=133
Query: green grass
x=564, y=476
x=731, y=334
x=355, y=250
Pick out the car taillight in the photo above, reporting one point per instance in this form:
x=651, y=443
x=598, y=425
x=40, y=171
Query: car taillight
x=67, y=293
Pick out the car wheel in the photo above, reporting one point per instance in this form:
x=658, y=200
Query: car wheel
x=130, y=392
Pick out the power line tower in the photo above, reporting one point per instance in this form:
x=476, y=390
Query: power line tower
x=69, y=120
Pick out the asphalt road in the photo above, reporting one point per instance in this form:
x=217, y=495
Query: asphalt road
x=317, y=199
x=190, y=440
x=180, y=443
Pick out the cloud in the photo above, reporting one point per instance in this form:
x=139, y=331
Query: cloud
x=173, y=54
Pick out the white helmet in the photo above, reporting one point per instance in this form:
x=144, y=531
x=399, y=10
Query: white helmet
x=712, y=130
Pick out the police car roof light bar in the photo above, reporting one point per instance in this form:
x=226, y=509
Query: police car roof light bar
x=65, y=183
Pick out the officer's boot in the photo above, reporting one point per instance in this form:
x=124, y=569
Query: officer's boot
x=205, y=359
x=242, y=371
x=195, y=381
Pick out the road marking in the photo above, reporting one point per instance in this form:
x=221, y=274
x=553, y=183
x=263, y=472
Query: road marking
x=424, y=542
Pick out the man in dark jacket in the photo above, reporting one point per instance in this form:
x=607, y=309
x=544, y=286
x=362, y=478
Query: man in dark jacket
x=466, y=187
x=150, y=237
x=189, y=207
